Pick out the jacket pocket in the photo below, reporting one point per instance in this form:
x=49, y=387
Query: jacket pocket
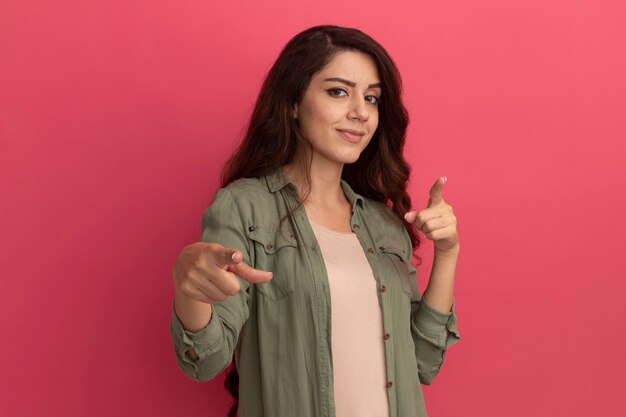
x=397, y=256
x=274, y=251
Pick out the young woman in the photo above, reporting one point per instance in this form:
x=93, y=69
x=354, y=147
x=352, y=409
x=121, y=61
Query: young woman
x=304, y=270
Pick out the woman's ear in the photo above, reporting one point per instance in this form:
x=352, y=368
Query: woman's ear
x=294, y=112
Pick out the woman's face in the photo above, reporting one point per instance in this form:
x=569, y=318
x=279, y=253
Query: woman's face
x=338, y=114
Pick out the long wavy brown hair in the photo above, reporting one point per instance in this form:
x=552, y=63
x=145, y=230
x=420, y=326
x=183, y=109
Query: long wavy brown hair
x=272, y=137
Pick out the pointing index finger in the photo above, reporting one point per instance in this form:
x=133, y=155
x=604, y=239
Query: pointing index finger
x=435, y=191
x=232, y=260
x=250, y=274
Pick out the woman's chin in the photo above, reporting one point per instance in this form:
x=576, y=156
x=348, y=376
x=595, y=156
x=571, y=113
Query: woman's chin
x=350, y=159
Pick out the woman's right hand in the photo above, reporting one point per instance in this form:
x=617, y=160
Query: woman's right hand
x=207, y=272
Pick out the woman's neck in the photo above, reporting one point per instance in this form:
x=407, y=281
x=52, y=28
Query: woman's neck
x=325, y=203
x=324, y=182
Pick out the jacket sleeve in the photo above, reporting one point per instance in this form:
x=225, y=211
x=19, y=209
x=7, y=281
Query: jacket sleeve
x=215, y=343
x=433, y=331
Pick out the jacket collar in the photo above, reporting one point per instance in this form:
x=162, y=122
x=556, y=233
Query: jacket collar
x=277, y=180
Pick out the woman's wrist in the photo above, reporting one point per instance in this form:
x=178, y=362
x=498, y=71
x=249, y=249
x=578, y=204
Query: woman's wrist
x=194, y=315
x=448, y=253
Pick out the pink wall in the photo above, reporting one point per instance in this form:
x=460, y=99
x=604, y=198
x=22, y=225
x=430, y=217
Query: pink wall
x=115, y=117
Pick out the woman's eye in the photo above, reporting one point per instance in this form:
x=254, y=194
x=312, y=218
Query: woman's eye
x=372, y=99
x=336, y=91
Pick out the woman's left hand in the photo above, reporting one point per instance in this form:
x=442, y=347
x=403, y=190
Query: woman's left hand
x=437, y=221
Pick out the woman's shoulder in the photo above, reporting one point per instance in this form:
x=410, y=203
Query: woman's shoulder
x=247, y=187
x=245, y=196
x=382, y=213
x=386, y=226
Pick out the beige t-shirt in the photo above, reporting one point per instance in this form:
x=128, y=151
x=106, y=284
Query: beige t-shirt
x=357, y=327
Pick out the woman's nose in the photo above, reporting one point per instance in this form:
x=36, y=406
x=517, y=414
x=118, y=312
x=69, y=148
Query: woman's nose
x=358, y=109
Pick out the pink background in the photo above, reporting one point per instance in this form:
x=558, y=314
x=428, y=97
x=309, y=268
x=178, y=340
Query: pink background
x=115, y=118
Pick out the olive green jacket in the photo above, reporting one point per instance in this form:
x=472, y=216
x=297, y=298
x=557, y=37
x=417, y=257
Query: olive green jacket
x=280, y=331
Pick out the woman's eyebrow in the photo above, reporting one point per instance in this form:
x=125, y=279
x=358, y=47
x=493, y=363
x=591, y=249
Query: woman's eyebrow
x=351, y=83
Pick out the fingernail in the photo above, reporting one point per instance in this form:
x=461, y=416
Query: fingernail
x=406, y=217
x=233, y=257
x=445, y=179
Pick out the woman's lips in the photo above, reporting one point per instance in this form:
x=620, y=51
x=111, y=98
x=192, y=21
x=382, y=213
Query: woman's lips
x=351, y=135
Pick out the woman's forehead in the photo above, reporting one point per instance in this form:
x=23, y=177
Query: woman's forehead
x=353, y=66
